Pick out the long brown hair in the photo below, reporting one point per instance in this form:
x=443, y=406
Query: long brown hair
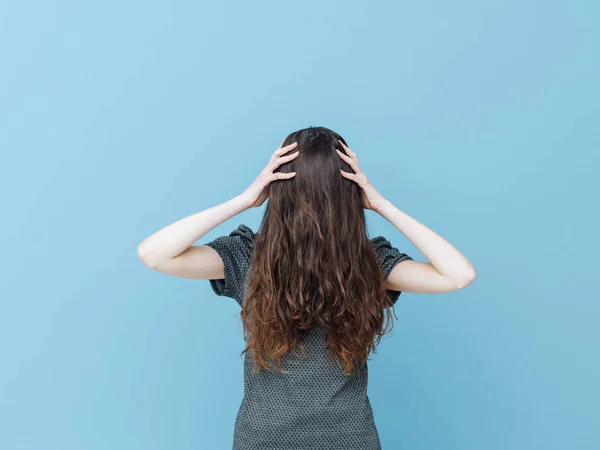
x=313, y=263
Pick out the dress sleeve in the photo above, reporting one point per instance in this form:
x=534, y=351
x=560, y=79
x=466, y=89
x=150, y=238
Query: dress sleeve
x=388, y=257
x=235, y=250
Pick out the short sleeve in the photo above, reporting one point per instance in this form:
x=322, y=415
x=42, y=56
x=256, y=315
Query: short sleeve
x=388, y=257
x=235, y=250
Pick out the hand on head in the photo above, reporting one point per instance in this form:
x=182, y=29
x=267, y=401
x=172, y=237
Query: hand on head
x=256, y=193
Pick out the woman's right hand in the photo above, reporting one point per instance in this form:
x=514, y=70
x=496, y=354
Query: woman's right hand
x=256, y=193
x=371, y=198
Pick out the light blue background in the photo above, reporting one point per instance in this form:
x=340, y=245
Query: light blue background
x=479, y=119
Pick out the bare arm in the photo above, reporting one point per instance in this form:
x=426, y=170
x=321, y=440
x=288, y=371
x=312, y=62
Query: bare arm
x=170, y=250
x=448, y=270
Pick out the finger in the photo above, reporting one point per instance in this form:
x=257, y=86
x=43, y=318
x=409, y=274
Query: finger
x=350, y=176
x=352, y=163
x=283, y=150
x=283, y=159
x=349, y=151
x=288, y=157
x=290, y=146
x=284, y=176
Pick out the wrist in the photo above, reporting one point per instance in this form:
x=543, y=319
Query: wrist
x=242, y=202
x=384, y=205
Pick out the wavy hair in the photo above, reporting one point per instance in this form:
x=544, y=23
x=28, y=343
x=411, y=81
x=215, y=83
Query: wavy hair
x=313, y=263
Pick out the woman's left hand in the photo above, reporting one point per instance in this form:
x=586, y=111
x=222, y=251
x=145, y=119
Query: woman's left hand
x=256, y=193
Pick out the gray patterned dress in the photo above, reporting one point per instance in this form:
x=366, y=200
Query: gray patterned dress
x=315, y=406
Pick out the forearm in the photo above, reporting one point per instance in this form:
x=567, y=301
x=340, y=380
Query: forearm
x=444, y=257
x=175, y=238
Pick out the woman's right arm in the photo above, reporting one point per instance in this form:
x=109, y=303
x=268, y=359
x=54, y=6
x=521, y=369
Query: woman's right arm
x=447, y=270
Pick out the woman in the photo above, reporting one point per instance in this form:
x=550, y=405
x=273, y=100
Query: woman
x=316, y=293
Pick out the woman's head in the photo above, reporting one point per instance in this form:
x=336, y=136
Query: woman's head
x=317, y=200
x=313, y=263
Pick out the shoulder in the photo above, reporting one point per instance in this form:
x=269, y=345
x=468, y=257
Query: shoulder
x=381, y=244
x=235, y=249
x=379, y=240
x=244, y=233
x=387, y=254
x=239, y=242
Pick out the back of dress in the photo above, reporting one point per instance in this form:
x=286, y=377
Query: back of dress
x=315, y=405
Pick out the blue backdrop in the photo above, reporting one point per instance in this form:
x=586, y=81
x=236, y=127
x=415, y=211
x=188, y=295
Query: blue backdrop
x=479, y=119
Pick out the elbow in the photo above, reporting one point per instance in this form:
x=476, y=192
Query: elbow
x=466, y=279
x=146, y=257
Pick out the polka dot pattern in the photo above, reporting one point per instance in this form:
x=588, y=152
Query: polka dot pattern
x=315, y=405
